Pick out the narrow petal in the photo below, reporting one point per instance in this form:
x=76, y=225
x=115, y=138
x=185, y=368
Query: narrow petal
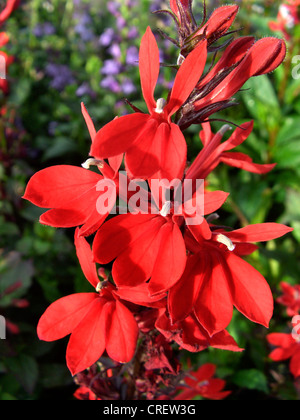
x=214, y=200
x=86, y=259
x=89, y=122
x=149, y=68
x=214, y=305
x=261, y=232
x=242, y=161
x=63, y=316
x=171, y=259
x=187, y=77
x=174, y=152
x=87, y=342
x=119, y=135
x=295, y=364
x=251, y=293
x=62, y=218
x=183, y=296
x=122, y=334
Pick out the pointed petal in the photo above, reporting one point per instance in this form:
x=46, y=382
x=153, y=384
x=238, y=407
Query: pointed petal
x=251, y=293
x=295, y=364
x=238, y=137
x=214, y=200
x=214, y=304
x=87, y=342
x=122, y=334
x=242, y=161
x=62, y=186
x=171, y=259
x=149, y=68
x=119, y=135
x=259, y=233
x=86, y=259
x=63, y=316
x=89, y=122
x=60, y=218
x=187, y=78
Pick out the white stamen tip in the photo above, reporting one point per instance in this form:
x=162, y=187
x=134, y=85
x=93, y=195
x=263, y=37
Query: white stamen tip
x=165, y=211
x=222, y=239
x=92, y=162
x=160, y=104
x=99, y=287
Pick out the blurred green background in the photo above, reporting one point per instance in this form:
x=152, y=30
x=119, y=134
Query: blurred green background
x=66, y=52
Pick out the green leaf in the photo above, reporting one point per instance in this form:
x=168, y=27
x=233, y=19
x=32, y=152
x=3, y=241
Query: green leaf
x=251, y=379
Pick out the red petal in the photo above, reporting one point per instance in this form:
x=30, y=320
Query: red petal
x=184, y=294
x=214, y=304
x=135, y=264
x=149, y=68
x=187, y=78
x=145, y=157
x=220, y=21
x=86, y=259
x=120, y=134
x=64, y=187
x=87, y=342
x=171, y=259
x=122, y=334
x=259, y=233
x=63, y=316
x=295, y=364
x=251, y=293
x=214, y=200
x=63, y=218
x=140, y=296
x=89, y=122
x=242, y=161
x=174, y=153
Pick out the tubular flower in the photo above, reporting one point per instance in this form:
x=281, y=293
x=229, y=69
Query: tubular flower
x=216, y=278
x=96, y=321
x=151, y=142
x=290, y=298
x=287, y=18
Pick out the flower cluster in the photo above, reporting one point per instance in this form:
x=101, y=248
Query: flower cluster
x=173, y=268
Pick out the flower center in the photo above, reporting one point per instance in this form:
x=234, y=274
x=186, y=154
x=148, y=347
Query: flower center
x=165, y=211
x=92, y=162
x=222, y=239
x=160, y=104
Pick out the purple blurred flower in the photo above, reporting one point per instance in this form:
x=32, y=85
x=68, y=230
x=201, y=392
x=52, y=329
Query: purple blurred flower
x=107, y=37
x=133, y=33
x=113, y=7
x=43, y=29
x=111, y=84
x=111, y=67
x=115, y=51
x=85, y=89
x=61, y=76
x=132, y=56
x=128, y=87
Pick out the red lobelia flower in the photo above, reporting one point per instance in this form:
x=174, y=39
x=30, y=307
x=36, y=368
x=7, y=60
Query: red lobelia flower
x=96, y=321
x=290, y=298
x=201, y=383
x=71, y=193
x=287, y=348
x=216, y=278
x=150, y=246
x=152, y=142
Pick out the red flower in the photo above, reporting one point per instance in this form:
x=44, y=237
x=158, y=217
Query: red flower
x=71, y=193
x=215, y=152
x=152, y=142
x=149, y=246
x=96, y=321
x=288, y=348
x=290, y=298
x=202, y=383
x=287, y=18
x=216, y=279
